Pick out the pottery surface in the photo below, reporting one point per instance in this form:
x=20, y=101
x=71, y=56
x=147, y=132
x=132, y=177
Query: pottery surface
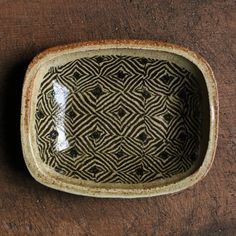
x=119, y=118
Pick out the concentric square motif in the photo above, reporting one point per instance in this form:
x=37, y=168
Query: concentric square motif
x=118, y=119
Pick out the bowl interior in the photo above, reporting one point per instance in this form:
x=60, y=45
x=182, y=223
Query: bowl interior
x=122, y=116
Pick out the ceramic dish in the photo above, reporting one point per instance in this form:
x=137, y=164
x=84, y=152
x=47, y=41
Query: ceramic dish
x=119, y=118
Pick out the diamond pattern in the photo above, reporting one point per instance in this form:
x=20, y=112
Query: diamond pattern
x=119, y=119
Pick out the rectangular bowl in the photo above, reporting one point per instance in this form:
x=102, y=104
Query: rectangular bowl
x=119, y=118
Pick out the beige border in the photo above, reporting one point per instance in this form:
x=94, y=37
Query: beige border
x=55, y=181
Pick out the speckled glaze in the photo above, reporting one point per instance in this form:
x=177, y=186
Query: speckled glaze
x=119, y=118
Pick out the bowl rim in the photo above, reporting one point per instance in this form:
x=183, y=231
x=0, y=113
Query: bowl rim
x=70, y=187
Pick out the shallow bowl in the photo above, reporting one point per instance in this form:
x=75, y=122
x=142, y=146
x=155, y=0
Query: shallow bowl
x=119, y=118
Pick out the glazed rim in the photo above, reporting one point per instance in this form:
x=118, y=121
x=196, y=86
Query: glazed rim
x=66, y=184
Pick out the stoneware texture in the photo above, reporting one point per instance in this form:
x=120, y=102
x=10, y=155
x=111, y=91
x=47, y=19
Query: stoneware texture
x=119, y=118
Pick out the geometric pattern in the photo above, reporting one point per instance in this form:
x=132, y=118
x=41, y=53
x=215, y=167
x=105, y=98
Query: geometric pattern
x=118, y=119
